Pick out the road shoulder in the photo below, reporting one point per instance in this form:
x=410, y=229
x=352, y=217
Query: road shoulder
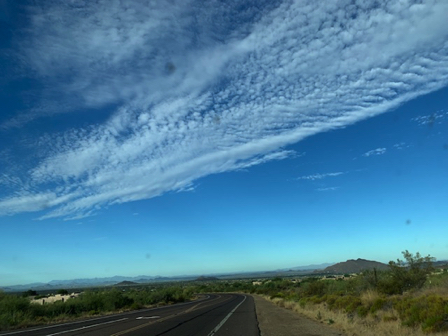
x=277, y=321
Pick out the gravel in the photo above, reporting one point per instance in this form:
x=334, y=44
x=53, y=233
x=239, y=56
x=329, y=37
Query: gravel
x=277, y=321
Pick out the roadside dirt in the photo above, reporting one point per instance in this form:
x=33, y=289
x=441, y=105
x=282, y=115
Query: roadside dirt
x=277, y=321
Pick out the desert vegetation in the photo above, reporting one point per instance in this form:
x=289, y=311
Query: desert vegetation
x=409, y=298
x=17, y=311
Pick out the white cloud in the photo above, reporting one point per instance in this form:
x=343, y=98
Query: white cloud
x=319, y=176
x=377, y=151
x=432, y=119
x=199, y=89
x=328, y=189
x=401, y=145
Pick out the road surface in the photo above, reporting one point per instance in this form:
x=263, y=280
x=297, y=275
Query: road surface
x=214, y=315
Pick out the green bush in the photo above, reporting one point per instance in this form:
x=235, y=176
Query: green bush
x=314, y=288
x=430, y=312
x=347, y=303
x=29, y=292
x=362, y=311
x=408, y=274
x=378, y=304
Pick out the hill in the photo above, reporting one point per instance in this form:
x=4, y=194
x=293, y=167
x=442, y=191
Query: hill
x=353, y=266
x=206, y=278
x=126, y=283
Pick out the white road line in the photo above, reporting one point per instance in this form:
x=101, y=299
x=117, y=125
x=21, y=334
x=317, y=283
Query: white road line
x=101, y=318
x=226, y=318
x=147, y=317
x=86, y=327
x=55, y=326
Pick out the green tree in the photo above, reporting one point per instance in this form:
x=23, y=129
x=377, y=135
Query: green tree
x=29, y=292
x=63, y=292
x=407, y=274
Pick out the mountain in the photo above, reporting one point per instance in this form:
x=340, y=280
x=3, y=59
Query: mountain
x=309, y=267
x=126, y=283
x=99, y=281
x=440, y=264
x=206, y=278
x=353, y=266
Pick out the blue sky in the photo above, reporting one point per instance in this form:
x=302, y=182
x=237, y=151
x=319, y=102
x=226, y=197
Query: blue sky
x=137, y=138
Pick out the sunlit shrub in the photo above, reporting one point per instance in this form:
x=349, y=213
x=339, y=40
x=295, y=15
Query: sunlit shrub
x=431, y=312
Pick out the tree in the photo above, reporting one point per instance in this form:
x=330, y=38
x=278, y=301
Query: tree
x=29, y=292
x=63, y=292
x=407, y=274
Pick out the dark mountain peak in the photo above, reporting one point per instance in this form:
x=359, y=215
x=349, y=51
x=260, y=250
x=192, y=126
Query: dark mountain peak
x=353, y=266
x=126, y=283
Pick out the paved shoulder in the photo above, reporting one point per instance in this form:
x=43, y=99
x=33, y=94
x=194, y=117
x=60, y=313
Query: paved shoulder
x=277, y=321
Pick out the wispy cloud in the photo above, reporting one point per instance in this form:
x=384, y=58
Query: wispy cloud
x=432, y=119
x=328, y=189
x=319, y=176
x=203, y=88
x=401, y=145
x=377, y=151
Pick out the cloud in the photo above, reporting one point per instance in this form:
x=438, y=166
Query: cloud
x=319, y=176
x=200, y=89
x=377, y=151
x=431, y=119
x=328, y=189
x=401, y=145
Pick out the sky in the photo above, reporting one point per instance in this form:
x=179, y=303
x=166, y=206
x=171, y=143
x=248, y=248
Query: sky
x=191, y=137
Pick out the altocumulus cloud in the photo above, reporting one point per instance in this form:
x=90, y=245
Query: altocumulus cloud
x=319, y=176
x=377, y=151
x=201, y=88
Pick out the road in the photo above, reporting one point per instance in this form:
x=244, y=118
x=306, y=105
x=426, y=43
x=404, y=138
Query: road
x=213, y=315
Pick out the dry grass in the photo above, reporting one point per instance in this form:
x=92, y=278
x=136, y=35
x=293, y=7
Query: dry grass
x=437, y=285
x=384, y=323
x=369, y=296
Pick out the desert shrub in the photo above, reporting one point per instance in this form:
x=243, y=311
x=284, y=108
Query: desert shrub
x=136, y=306
x=13, y=310
x=389, y=318
x=91, y=301
x=342, y=287
x=347, y=303
x=115, y=300
x=378, y=304
x=29, y=292
x=279, y=295
x=431, y=312
x=362, y=311
x=12, y=303
x=314, y=288
x=406, y=275
x=331, y=299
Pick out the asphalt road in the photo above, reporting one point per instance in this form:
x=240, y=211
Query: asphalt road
x=220, y=315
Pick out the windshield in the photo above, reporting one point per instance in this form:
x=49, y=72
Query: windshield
x=170, y=138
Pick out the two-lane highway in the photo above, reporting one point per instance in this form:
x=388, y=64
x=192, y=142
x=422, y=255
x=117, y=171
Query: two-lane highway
x=220, y=315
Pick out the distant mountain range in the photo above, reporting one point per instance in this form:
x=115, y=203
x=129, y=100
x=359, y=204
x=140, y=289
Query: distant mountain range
x=349, y=266
x=94, y=281
x=86, y=282
x=307, y=267
x=110, y=281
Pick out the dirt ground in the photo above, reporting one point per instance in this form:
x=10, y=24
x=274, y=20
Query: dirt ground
x=277, y=321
